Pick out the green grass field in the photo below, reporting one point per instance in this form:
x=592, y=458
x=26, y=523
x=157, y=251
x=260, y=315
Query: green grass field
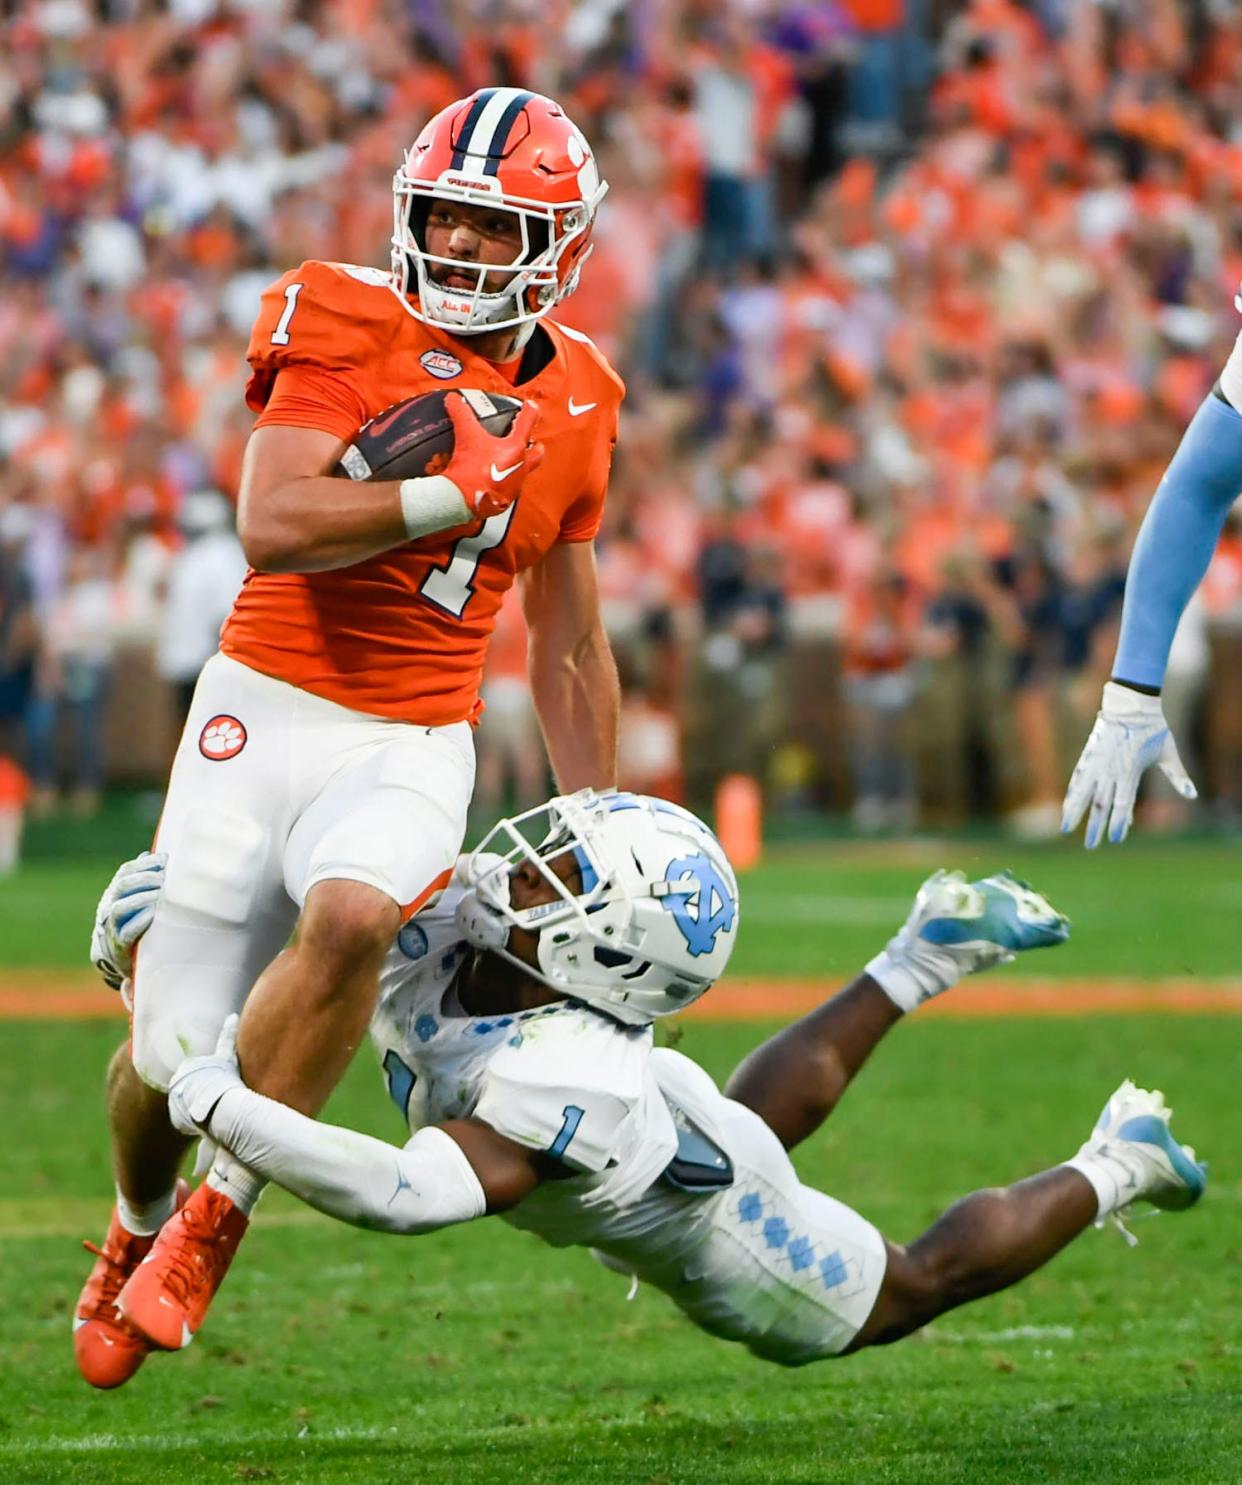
x=480, y=1356
x=1149, y=910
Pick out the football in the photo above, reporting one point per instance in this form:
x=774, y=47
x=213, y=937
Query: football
x=415, y=437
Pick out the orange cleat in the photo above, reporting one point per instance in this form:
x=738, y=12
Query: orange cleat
x=107, y=1349
x=166, y=1297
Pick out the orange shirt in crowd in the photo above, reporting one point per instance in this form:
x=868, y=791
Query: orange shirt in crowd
x=404, y=634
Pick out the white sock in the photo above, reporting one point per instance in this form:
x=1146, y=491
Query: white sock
x=236, y=1181
x=909, y=977
x=144, y=1219
x=1114, y=1183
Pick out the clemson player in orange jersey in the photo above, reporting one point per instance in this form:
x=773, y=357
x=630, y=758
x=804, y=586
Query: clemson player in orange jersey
x=321, y=786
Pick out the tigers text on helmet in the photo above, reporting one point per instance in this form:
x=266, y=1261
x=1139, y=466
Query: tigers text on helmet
x=515, y=151
x=656, y=917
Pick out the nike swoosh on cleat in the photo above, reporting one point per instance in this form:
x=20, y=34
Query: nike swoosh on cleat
x=576, y=409
x=499, y=475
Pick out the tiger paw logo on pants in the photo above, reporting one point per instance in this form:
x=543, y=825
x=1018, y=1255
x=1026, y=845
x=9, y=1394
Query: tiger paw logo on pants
x=223, y=737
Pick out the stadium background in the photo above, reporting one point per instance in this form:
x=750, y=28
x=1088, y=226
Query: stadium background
x=913, y=300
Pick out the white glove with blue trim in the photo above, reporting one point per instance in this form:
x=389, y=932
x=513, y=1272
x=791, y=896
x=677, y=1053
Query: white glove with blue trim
x=1130, y=734
x=125, y=913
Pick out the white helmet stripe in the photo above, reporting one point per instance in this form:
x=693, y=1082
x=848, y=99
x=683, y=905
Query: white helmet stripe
x=478, y=146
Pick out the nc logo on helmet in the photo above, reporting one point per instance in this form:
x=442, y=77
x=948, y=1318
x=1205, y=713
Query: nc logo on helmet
x=700, y=902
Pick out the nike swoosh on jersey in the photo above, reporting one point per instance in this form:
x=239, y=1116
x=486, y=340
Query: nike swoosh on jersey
x=503, y=474
x=576, y=409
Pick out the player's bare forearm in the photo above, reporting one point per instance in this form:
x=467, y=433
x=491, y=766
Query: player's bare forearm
x=578, y=699
x=796, y=1078
x=573, y=676
x=293, y=515
x=319, y=523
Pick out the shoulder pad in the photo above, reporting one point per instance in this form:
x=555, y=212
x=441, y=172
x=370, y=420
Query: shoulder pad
x=334, y=315
x=378, y=278
x=565, y=1084
x=591, y=353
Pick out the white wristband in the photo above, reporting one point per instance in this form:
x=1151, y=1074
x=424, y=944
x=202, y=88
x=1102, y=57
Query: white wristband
x=903, y=988
x=909, y=975
x=432, y=503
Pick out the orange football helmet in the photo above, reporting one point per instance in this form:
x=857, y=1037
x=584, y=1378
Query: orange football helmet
x=520, y=152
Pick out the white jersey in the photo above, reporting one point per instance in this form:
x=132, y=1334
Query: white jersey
x=561, y=1079
x=757, y=1258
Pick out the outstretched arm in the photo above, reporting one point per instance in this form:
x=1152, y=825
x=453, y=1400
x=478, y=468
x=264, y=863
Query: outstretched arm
x=1177, y=538
x=1172, y=553
x=444, y=1175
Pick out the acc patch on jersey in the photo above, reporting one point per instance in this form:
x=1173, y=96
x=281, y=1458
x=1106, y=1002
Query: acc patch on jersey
x=222, y=737
x=443, y=364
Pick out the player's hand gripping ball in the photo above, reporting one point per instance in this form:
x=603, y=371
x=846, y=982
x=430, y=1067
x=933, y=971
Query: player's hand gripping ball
x=482, y=441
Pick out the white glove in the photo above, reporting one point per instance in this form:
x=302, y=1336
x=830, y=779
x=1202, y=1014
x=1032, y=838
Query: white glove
x=200, y=1083
x=124, y=914
x=1130, y=734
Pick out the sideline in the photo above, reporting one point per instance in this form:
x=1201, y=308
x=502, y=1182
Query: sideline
x=57, y=995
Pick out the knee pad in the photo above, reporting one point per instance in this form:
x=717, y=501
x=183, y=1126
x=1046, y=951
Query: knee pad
x=194, y=966
x=177, y=1026
x=215, y=865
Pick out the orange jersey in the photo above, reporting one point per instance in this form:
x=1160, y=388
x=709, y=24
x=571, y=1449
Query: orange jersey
x=404, y=634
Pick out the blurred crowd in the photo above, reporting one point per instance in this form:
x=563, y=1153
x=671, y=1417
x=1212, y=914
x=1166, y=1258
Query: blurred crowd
x=913, y=298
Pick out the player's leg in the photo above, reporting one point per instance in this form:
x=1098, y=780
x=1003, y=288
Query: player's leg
x=794, y=1080
x=796, y=1276
x=309, y=1011
x=377, y=840
x=983, y=1243
x=223, y=913
x=315, y=999
x=375, y=845
x=146, y=1149
x=785, y=1270
x=994, y=1238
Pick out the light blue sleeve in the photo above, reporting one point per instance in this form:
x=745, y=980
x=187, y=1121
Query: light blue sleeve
x=1177, y=538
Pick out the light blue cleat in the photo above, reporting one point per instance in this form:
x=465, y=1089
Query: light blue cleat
x=984, y=923
x=1132, y=1139
x=957, y=928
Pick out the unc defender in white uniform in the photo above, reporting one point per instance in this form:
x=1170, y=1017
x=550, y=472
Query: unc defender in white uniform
x=764, y=1259
x=514, y=1029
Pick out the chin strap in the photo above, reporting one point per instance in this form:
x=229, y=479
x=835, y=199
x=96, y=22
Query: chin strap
x=482, y=907
x=521, y=333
